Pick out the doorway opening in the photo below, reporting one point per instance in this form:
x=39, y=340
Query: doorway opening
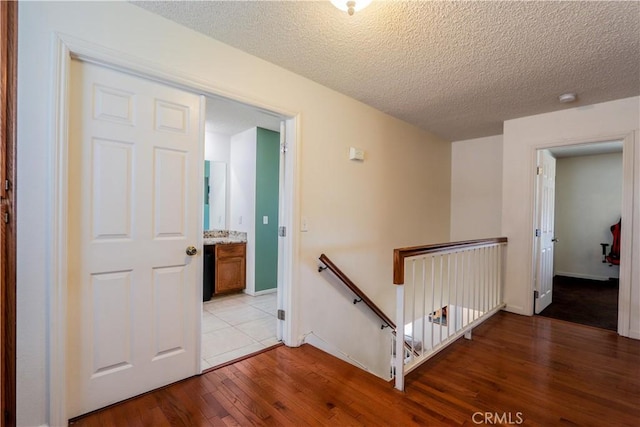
x=242, y=157
x=580, y=285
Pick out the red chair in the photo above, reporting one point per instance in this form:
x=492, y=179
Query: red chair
x=614, y=256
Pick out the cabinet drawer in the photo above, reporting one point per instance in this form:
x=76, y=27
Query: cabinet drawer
x=230, y=250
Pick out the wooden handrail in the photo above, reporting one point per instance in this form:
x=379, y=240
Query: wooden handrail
x=357, y=291
x=362, y=298
x=400, y=254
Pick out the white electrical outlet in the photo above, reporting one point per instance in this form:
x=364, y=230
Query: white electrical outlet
x=304, y=225
x=240, y=220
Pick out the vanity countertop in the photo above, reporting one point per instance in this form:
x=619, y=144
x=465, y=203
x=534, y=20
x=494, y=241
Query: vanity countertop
x=223, y=240
x=222, y=237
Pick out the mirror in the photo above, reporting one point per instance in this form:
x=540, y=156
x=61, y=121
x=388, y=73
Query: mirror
x=215, y=197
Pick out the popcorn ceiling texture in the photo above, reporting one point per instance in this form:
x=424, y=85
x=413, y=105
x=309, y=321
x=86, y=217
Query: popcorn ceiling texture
x=457, y=69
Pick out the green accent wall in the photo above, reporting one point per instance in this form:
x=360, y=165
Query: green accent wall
x=207, y=174
x=267, y=188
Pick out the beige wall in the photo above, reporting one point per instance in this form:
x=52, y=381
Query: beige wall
x=599, y=122
x=588, y=202
x=357, y=212
x=476, y=188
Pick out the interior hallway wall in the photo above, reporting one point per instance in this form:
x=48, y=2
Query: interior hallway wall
x=357, y=212
x=476, y=188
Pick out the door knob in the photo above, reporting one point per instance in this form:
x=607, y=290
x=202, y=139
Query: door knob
x=191, y=250
x=554, y=240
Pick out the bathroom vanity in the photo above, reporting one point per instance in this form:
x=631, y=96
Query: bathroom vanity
x=225, y=261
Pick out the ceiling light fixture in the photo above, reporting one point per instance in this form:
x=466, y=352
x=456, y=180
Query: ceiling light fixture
x=567, y=97
x=351, y=6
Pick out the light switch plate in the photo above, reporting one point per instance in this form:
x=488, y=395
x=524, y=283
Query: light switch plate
x=265, y=219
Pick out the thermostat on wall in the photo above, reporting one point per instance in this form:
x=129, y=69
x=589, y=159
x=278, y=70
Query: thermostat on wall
x=356, y=153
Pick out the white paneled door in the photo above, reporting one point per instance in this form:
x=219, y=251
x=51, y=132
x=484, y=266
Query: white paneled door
x=545, y=229
x=135, y=164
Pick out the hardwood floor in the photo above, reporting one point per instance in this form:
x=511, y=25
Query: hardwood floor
x=584, y=301
x=529, y=370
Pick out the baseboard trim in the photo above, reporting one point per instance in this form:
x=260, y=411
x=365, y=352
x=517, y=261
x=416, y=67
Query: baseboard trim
x=583, y=276
x=314, y=340
x=266, y=291
x=515, y=309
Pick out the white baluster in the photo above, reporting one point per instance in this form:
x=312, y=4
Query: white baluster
x=424, y=302
x=399, y=359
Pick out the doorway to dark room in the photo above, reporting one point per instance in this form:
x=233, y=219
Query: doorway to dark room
x=587, y=205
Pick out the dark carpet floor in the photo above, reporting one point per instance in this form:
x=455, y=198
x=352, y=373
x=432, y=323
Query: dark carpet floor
x=588, y=302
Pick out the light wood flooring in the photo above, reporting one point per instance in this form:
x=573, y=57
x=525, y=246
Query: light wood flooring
x=541, y=371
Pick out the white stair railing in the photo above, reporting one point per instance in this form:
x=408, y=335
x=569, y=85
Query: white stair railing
x=443, y=291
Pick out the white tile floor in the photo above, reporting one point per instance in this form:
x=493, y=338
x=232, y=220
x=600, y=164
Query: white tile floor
x=236, y=325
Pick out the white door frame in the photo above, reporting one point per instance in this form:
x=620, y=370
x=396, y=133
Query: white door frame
x=630, y=174
x=66, y=48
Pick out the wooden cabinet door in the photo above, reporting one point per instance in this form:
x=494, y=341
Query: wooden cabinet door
x=230, y=267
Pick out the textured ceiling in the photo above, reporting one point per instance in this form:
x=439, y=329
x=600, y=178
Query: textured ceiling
x=457, y=69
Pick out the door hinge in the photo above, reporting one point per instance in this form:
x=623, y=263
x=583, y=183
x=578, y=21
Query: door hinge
x=282, y=231
x=539, y=170
x=537, y=232
x=283, y=148
x=7, y=185
x=535, y=294
x=280, y=314
x=6, y=217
